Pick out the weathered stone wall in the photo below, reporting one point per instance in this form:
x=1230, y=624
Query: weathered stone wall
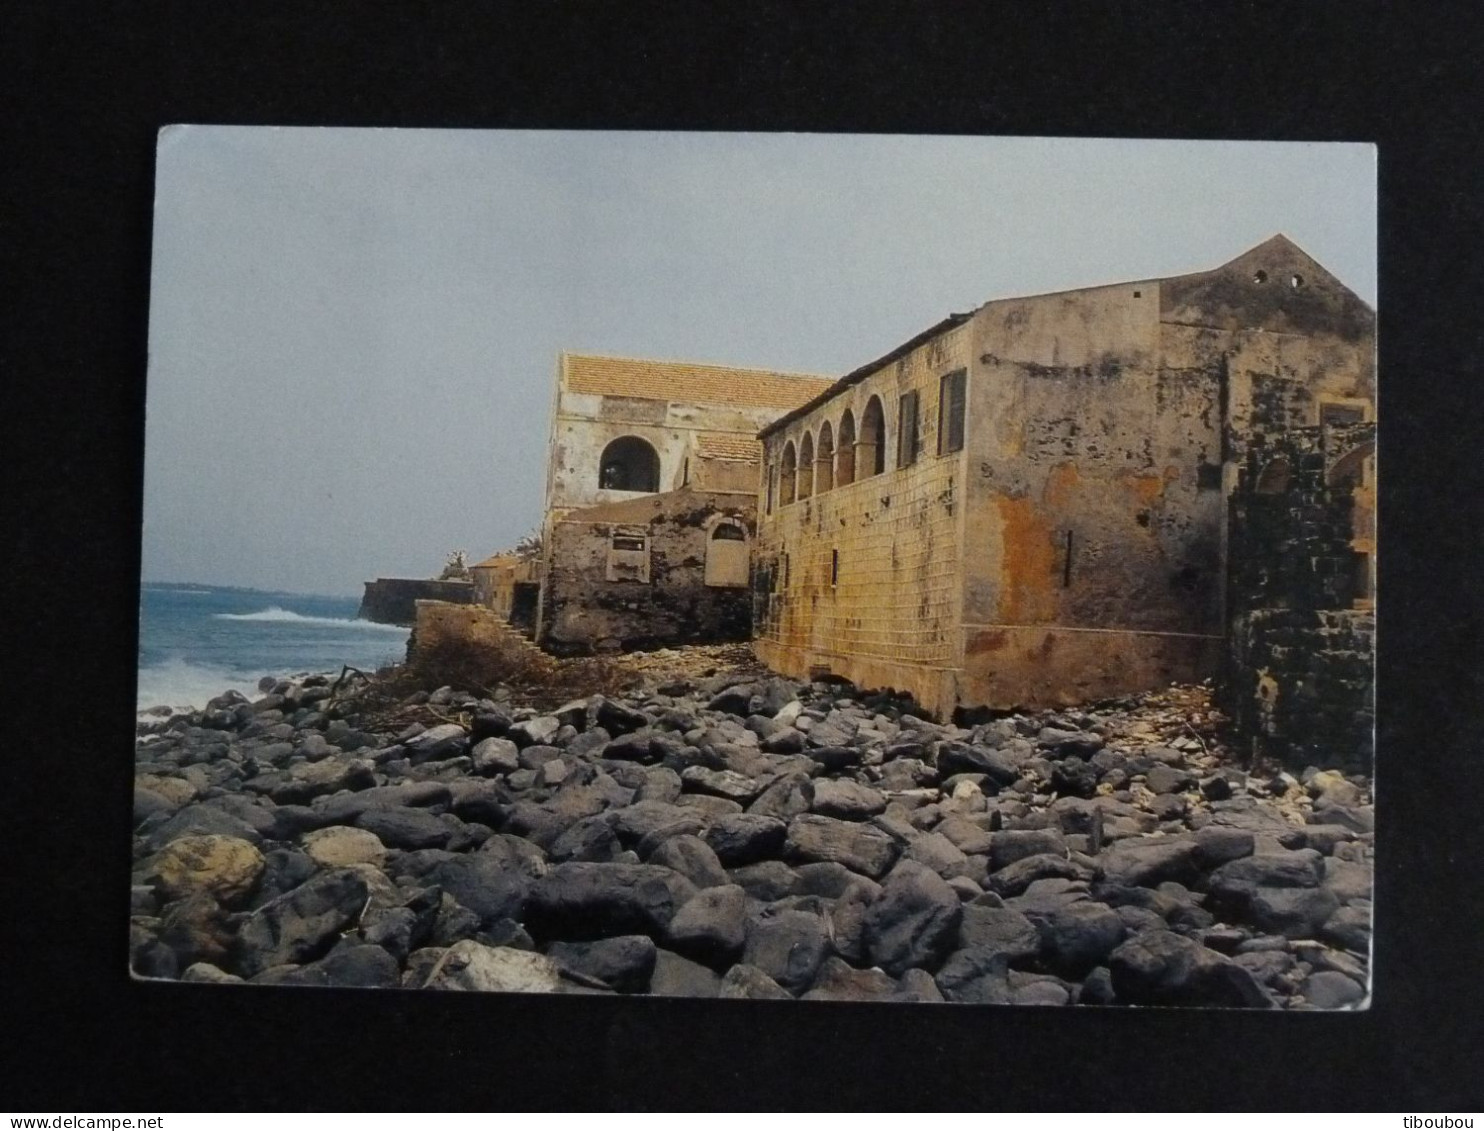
x=1301, y=686
x=437, y=622
x=1077, y=548
x=1299, y=674
x=596, y=599
x=862, y=580
x=392, y=600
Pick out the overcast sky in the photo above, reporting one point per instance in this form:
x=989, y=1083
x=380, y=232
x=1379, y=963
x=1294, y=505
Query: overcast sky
x=353, y=333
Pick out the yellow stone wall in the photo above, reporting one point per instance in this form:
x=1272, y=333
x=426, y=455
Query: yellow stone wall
x=890, y=619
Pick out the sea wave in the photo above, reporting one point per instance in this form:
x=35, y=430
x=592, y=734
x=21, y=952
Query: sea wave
x=188, y=685
x=288, y=616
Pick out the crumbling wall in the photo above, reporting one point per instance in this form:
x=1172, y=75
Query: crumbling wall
x=392, y=600
x=1298, y=680
x=633, y=575
x=1094, y=503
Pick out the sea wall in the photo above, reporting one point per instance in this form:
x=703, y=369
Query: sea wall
x=393, y=600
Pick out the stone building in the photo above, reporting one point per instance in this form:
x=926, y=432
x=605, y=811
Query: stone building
x=650, y=500
x=1027, y=504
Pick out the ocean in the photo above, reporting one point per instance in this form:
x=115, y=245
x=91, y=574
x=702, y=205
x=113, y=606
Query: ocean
x=196, y=641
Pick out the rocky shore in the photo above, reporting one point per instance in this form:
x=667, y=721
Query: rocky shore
x=744, y=837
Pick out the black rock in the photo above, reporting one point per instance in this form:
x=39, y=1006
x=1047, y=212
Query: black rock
x=693, y=858
x=593, y=900
x=1163, y=968
x=962, y=757
x=1010, y=845
x=675, y=976
x=1097, y=988
x=839, y=981
x=785, y=798
x=1079, y=937
x=788, y=947
x=623, y=963
x=1146, y=862
x=765, y=881
x=743, y=981
x=745, y=838
x=978, y=975
x=711, y=927
x=591, y=838
x=1074, y=777
x=1017, y=877
x=299, y=925
x=365, y=966
x=1329, y=989
x=488, y=724
x=405, y=828
x=490, y=887
x=914, y=921
x=999, y=929
x=1297, y=913
x=861, y=848
x=616, y=718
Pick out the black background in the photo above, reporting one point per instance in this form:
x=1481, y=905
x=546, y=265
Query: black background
x=87, y=87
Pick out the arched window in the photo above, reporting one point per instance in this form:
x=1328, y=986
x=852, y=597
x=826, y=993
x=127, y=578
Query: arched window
x=824, y=462
x=806, y=466
x=845, y=460
x=788, y=480
x=871, y=448
x=727, y=555
x=629, y=464
x=1275, y=477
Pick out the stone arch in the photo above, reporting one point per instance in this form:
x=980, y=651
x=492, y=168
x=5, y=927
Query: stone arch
x=845, y=451
x=788, y=479
x=824, y=460
x=871, y=447
x=629, y=464
x=806, y=466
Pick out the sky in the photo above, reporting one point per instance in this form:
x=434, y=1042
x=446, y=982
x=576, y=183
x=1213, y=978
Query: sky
x=354, y=332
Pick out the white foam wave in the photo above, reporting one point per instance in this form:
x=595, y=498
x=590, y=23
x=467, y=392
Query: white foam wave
x=187, y=686
x=288, y=616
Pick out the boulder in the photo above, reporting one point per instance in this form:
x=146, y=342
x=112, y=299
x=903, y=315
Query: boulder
x=1010, y=845
x=694, y=859
x=711, y=927
x=813, y=838
x=745, y=838
x=1296, y=913
x=534, y=732
x=1329, y=989
x=491, y=887
x=999, y=929
x=913, y=922
x=766, y=880
x=297, y=926
x=1015, y=879
x=1147, y=862
x=848, y=800
x=977, y=975
x=1079, y=937
x=785, y=798
x=1163, y=968
x=583, y=900
x=590, y=838
x=495, y=756
x=728, y=784
x=788, y=947
x=623, y=963
x=469, y=965
x=675, y=976
x=226, y=867
x=339, y=845
x=405, y=828
x=839, y=981
x=743, y=981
